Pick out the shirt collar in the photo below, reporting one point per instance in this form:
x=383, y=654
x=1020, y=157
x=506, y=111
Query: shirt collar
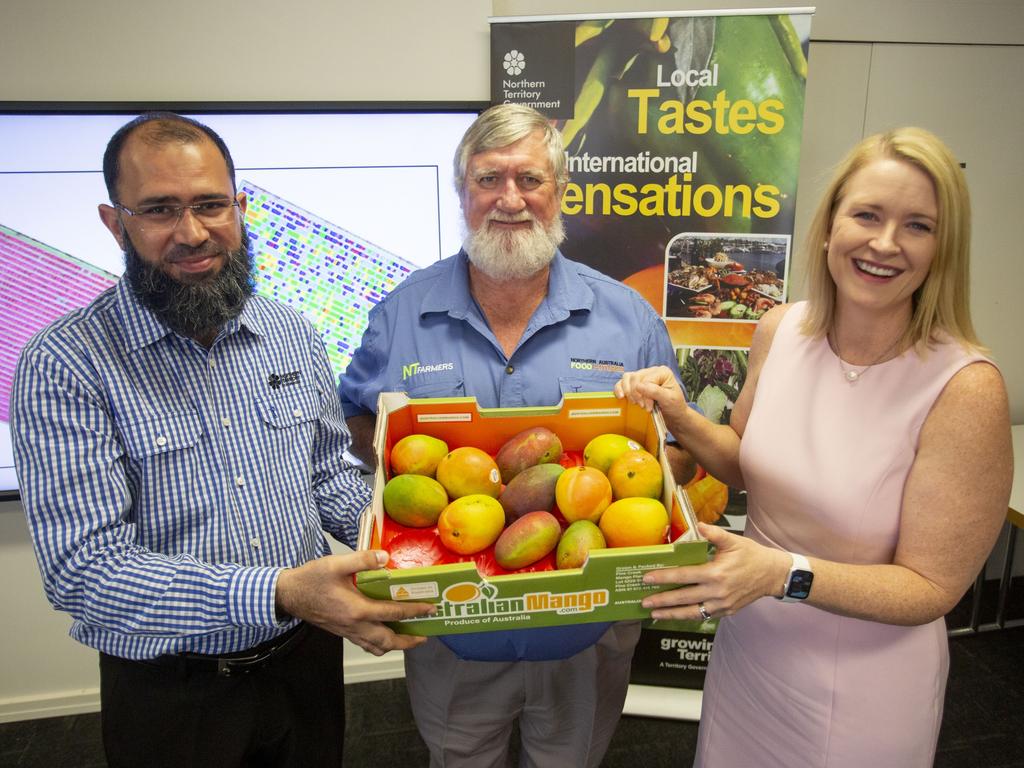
x=451, y=293
x=142, y=328
x=567, y=291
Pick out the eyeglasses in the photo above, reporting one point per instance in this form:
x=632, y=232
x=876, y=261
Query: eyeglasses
x=164, y=217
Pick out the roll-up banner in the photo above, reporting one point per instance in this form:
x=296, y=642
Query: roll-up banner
x=682, y=132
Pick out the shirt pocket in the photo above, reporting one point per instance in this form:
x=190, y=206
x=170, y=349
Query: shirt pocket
x=171, y=494
x=144, y=440
x=291, y=408
x=589, y=382
x=450, y=387
x=289, y=419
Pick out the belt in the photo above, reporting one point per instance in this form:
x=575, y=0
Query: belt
x=238, y=663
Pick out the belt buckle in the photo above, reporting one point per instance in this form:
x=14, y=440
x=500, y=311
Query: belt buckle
x=242, y=665
x=226, y=667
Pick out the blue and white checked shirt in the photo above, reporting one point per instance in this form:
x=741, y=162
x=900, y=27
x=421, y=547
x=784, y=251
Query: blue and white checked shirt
x=167, y=485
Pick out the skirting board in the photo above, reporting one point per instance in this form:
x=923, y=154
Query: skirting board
x=361, y=668
x=641, y=700
x=14, y=710
x=371, y=668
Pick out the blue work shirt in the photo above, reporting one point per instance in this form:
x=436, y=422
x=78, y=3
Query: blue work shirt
x=429, y=338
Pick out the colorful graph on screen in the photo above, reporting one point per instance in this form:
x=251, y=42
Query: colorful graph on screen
x=38, y=284
x=326, y=272
x=332, y=276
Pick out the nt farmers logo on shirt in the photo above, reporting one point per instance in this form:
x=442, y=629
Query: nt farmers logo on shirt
x=413, y=369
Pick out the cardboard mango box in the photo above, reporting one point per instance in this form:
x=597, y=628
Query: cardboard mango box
x=607, y=588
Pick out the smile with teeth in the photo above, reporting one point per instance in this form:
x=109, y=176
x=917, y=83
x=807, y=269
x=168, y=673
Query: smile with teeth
x=875, y=269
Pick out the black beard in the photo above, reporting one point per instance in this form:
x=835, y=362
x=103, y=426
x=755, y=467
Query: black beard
x=192, y=309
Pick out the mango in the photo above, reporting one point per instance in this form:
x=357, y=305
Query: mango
x=471, y=523
x=582, y=493
x=537, y=445
x=636, y=473
x=527, y=540
x=604, y=449
x=417, y=455
x=576, y=543
x=468, y=470
x=532, y=489
x=414, y=500
x=709, y=497
x=635, y=522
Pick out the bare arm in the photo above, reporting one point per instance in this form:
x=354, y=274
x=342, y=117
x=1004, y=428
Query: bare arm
x=362, y=427
x=953, y=506
x=683, y=465
x=321, y=592
x=954, y=503
x=715, y=446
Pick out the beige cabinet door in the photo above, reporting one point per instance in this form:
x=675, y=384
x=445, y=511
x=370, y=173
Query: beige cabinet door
x=970, y=95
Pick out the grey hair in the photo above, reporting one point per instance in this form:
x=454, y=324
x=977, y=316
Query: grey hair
x=503, y=125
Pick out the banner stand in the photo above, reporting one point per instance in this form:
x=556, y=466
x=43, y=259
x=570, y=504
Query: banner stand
x=666, y=703
x=682, y=133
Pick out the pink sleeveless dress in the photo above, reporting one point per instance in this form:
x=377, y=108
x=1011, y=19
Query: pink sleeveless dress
x=825, y=462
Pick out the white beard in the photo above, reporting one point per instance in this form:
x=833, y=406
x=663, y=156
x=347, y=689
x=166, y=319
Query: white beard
x=513, y=254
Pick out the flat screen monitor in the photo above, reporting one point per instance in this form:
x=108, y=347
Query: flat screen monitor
x=344, y=202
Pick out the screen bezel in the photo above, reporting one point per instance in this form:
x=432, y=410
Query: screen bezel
x=227, y=108
x=230, y=107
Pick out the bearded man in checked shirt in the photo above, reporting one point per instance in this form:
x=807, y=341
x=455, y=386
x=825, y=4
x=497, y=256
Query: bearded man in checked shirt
x=179, y=446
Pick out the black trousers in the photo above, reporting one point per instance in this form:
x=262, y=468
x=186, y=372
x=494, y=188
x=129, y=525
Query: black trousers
x=288, y=713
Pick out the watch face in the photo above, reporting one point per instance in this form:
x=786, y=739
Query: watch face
x=799, y=585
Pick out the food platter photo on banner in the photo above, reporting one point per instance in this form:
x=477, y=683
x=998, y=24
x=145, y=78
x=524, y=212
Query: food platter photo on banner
x=682, y=133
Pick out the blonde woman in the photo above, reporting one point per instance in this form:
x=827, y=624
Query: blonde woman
x=873, y=437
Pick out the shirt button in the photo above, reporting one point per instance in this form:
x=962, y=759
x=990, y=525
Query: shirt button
x=297, y=413
x=510, y=369
x=255, y=543
x=213, y=364
x=161, y=441
x=225, y=421
x=239, y=481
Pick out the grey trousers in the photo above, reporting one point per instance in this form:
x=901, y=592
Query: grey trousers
x=567, y=709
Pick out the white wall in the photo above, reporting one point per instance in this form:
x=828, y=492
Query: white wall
x=243, y=50
x=946, y=64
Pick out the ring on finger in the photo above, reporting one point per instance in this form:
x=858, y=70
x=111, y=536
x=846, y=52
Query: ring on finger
x=703, y=611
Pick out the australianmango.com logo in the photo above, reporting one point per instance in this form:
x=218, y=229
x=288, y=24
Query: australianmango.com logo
x=470, y=603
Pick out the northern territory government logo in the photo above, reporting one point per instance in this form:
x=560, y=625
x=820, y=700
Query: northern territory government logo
x=533, y=64
x=514, y=62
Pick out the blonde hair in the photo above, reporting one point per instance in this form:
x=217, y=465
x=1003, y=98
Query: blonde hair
x=942, y=302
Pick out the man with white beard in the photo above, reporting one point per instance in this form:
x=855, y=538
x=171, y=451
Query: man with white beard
x=514, y=323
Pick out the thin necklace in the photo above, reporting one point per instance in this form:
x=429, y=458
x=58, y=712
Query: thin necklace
x=852, y=375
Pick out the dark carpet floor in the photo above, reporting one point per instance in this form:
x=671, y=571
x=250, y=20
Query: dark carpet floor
x=983, y=724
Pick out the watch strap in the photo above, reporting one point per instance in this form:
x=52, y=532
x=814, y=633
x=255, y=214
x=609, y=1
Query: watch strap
x=798, y=582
